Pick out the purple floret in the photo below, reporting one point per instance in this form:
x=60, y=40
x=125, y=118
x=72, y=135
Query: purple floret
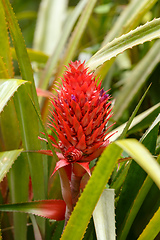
x=73, y=97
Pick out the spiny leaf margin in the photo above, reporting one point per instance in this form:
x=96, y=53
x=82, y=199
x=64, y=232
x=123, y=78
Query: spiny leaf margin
x=6, y=160
x=140, y=35
x=52, y=209
x=7, y=89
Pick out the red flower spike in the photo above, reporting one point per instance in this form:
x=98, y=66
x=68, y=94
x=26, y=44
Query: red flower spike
x=79, y=115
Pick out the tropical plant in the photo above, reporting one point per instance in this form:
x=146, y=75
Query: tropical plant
x=91, y=161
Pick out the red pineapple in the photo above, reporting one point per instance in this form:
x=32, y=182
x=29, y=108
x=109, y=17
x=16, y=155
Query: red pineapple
x=80, y=115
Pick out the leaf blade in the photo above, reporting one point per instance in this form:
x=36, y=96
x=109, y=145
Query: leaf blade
x=152, y=229
x=147, y=32
x=142, y=156
x=133, y=115
x=136, y=206
x=137, y=79
x=6, y=160
x=7, y=88
x=4, y=42
x=20, y=48
x=52, y=209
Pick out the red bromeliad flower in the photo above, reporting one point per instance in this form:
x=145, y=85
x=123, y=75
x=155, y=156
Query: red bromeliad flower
x=79, y=118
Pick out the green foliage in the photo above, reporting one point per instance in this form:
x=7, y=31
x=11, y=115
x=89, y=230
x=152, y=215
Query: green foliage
x=152, y=228
x=135, y=37
x=118, y=42
x=7, y=89
x=7, y=159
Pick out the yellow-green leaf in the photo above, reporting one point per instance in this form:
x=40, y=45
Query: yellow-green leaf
x=142, y=156
x=6, y=161
x=7, y=89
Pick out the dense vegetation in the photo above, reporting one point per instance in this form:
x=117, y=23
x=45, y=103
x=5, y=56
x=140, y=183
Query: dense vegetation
x=118, y=40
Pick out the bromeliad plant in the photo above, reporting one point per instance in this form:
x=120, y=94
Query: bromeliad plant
x=79, y=149
x=79, y=117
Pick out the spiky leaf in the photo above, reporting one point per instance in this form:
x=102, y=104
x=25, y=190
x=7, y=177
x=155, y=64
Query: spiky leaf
x=6, y=161
x=147, y=32
x=7, y=89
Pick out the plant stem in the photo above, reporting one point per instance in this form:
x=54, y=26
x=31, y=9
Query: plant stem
x=75, y=191
x=75, y=187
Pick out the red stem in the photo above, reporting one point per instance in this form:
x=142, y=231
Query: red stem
x=75, y=188
x=75, y=192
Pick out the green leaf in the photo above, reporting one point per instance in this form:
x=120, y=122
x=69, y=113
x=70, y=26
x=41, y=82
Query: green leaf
x=20, y=48
x=133, y=115
x=6, y=161
x=120, y=177
x=104, y=216
x=34, y=55
x=18, y=42
x=9, y=124
x=147, y=210
x=27, y=118
x=136, y=80
x=57, y=230
x=130, y=189
x=78, y=31
x=140, y=122
x=82, y=212
x=37, y=233
x=103, y=9
x=136, y=206
x=152, y=229
x=156, y=122
x=142, y=156
x=26, y=15
x=7, y=88
x=45, y=132
x=18, y=176
x=76, y=35
x=47, y=33
x=3, y=69
x=29, y=127
x=147, y=32
x=129, y=18
x=4, y=42
x=51, y=64
x=18, y=180
x=145, y=119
